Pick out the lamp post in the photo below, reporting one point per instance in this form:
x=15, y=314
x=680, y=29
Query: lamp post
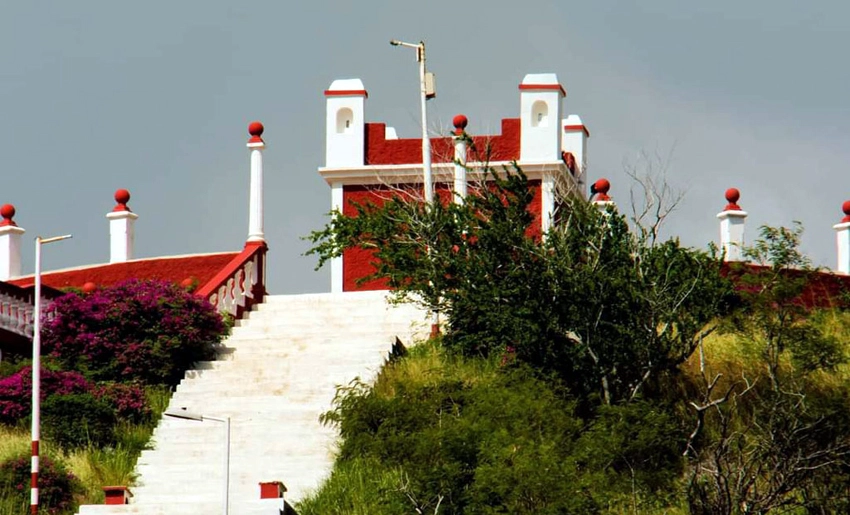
x=187, y=415
x=36, y=370
x=425, y=93
x=426, y=90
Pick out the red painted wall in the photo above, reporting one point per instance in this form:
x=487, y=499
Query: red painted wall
x=381, y=151
x=359, y=263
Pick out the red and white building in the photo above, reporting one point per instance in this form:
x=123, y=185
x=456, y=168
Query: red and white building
x=368, y=161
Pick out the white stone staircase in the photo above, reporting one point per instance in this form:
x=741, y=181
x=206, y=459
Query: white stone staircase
x=275, y=375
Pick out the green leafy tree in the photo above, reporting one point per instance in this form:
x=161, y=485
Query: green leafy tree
x=775, y=440
x=591, y=302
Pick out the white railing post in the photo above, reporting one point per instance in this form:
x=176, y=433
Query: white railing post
x=255, y=205
x=122, y=236
x=10, y=244
x=732, y=227
x=460, y=183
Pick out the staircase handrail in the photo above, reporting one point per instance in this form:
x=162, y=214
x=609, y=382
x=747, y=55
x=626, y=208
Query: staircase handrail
x=240, y=284
x=16, y=307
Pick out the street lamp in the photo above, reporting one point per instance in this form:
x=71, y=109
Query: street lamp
x=188, y=415
x=36, y=370
x=426, y=87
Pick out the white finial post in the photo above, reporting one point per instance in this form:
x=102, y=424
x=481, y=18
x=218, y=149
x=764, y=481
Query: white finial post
x=732, y=227
x=121, y=231
x=10, y=244
x=460, y=187
x=842, y=238
x=255, y=207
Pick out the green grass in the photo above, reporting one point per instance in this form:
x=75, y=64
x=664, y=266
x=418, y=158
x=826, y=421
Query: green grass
x=95, y=467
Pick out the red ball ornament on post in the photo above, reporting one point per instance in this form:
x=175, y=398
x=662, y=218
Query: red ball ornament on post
x=122, y=196
x=255, y=129
x=460, y=122
x=732, y=197
x=7, y=212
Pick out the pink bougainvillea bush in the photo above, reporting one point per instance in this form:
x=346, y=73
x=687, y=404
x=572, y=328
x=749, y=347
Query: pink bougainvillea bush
x=127, y=401
x=16, y=391
x=146, y=331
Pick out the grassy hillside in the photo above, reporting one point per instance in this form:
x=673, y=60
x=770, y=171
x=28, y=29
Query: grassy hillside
x=439, y=433
x=94, y=466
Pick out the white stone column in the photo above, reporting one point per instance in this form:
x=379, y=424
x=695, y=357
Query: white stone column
x=732, y=227
x=10, y=244
x=337, y=197
x=842, y=238
x=255, y=204
x=460, y=185
x=121, y=231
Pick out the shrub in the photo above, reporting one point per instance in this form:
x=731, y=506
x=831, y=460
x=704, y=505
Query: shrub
x=56, y=486
x=127, y=400
x=16, y=391
x=78, y=420
x=147, y=331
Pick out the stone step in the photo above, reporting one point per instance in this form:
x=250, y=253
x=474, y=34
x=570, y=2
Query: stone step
x=277, y=373
x=190, y=505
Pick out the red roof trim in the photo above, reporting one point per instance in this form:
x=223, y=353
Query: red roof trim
x=577, y=128
x=543, y=87
x=346, y=93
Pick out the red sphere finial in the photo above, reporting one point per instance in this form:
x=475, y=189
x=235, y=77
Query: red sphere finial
x=844, y=207
x=600, y=189
x=732, y=197
x=7, y=212
x=89, y=287
x=255, y=129
x=460, y=122
x=122, y=196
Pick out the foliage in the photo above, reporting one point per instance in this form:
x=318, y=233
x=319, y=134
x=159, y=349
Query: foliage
x=127, y=399
x=16, y=390
x=147, y=331
x=78, y=420
x=57, y=486
x=452, y=435
x=602, y=308
x=775, y=439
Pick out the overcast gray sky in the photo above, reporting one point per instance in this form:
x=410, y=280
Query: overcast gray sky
x=155, y=97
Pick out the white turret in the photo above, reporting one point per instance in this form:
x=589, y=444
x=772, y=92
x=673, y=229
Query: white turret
x=574, y=142
x=345, y=125
x=540, y=117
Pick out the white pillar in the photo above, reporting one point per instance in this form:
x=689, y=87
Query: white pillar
x=460, y=186
x=547, y=201
x=732, y=227
x=121, y=231
x=255, y=205
x=842, y=238
x=10, y=244
x=336, y=263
